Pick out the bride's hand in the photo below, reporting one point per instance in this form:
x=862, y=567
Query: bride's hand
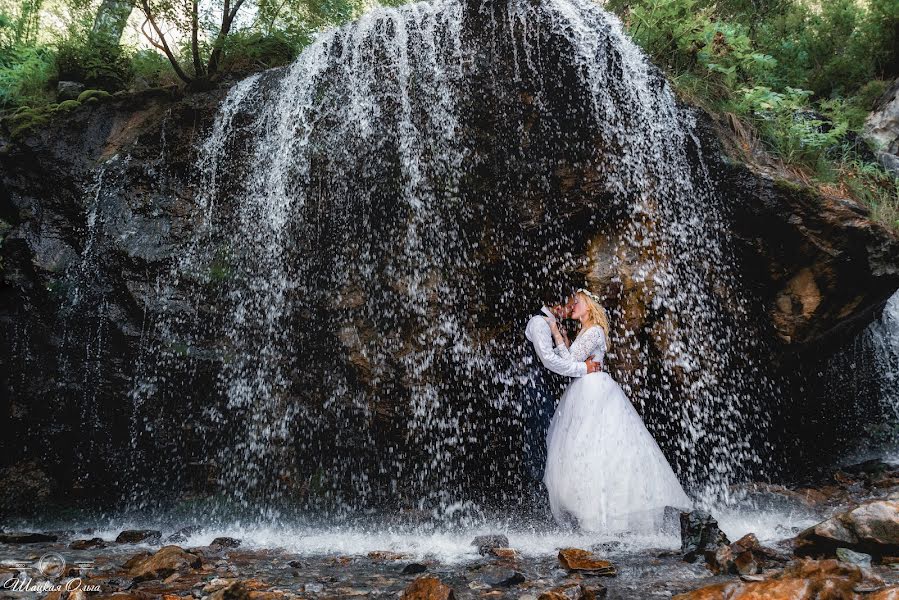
x=554, y=327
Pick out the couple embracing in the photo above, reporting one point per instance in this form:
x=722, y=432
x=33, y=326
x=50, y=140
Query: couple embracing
x=604, y=471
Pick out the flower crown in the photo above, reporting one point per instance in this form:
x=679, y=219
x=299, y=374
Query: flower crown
x=590, y=295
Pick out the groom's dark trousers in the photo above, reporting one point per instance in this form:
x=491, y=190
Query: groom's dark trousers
x=538, y=404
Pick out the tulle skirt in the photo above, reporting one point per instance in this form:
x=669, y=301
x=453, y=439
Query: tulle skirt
x=604, y=470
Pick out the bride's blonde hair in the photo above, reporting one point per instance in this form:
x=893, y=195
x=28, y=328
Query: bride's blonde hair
x=597, y=313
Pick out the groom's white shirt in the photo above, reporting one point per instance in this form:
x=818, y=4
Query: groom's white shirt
x=539, y=334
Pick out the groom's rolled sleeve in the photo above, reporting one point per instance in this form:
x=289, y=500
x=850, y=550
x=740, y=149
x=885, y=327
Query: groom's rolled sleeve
x=544, y=347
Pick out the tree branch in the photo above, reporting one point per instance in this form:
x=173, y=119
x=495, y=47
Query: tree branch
x=228, y=15
x=162, y=44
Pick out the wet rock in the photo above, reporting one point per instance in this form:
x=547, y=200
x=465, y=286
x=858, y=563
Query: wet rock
x=515, y=578
x=427, y=588
x=890, y=593
x=882, y=128
x=216, y=584
x=138, y=536
x=575, y=591
x=871, y=528
x=746, y=556
x=136, y=559
x=183, y=534
x=800, y=580
x=494, y=576
x=575, y=559
x=854, y=558
x=486, y=543
x=68, y=90
x=414, y=569
x=385, y=555
x=700, y=535
x=166, y=561
x=88, y=544
x=26, y=538
x=249, y=589
x=225, y=542
x=508, y=553
x=234, y=591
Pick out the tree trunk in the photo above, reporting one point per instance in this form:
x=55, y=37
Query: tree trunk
x=111, y=18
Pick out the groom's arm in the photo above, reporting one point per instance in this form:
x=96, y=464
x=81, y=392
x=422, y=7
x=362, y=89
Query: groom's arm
x=543, y=345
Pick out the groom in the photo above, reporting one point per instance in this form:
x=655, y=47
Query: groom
x=540, y=392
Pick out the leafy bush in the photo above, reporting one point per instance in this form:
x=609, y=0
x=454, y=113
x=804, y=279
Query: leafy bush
x=791, y=128
x=253, y=50
x=25, y=73
x=149, y=69
x=94, y=61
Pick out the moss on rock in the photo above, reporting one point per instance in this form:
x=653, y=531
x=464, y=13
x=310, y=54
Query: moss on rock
x=97, y=94
x=67, y=105
x=22, y=121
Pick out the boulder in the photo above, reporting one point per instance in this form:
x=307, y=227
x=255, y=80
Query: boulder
x=871, y=528
x=183, y=534
x=166, y=561
x=801, y=580
x=88, y=544
x=746, y=556
x=888, y=593
x=225, y=542
x=427, y=588
x=575, y=559
x=68, y=90
x=486, y=543
x=700, y=535
x=575, y=591
x=854, y=558
x=139, y=536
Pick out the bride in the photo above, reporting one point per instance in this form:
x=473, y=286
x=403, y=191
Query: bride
x=604, y=470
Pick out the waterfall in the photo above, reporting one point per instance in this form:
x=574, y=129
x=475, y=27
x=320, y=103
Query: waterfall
x=884, y=336
x=353, y=323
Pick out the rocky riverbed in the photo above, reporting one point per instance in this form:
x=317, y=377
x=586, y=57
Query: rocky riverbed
x=850, y=551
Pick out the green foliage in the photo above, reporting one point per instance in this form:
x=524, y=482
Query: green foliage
x=94, y=61
x=149, y=69
x=25, y=73
x=805, y=74
x=794, y=131
x=253, y=50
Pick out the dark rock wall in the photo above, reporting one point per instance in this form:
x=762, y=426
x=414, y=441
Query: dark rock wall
x=79, y=299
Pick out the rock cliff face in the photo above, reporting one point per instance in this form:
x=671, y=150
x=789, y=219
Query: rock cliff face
x=125, y=331
x=882, y=128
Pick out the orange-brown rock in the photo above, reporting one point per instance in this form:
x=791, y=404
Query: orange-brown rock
x=504, y=552
x=428, y=588
x=890, y=593
x=801, y=580
x=166, y=561
x=575, y=559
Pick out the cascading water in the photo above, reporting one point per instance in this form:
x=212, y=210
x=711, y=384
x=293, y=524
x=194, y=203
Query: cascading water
x=885, y=339
x=354, y=317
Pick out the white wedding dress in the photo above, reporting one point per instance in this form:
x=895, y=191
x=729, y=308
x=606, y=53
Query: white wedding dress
x=604, y=470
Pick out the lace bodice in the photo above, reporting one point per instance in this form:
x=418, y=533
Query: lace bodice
x=590, y=342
